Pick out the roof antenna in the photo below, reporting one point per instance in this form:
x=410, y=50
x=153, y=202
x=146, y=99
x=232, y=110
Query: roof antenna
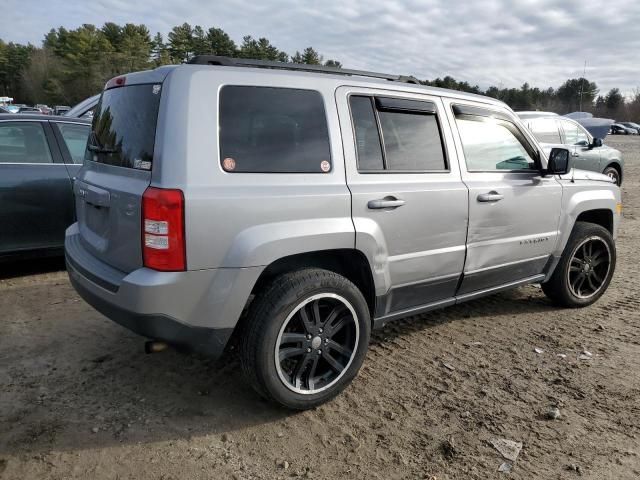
x=582, y=84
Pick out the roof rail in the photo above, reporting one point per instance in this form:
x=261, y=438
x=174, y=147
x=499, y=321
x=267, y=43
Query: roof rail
x=246, y=62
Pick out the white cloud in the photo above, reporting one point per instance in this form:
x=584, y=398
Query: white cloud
x=496, y=42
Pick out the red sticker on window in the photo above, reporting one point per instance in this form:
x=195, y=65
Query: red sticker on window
x=229, y=164
x=325, y=166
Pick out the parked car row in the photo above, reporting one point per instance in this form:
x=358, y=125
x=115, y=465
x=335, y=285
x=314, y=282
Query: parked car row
x=37, y=109
x=625, y=128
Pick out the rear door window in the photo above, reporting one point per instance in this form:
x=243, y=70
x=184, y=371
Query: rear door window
x=545, y=130
x=124, y=126
x=23, y=142
x=273, y=130
x=75, y=139
x=397, y=135
x=366, y=133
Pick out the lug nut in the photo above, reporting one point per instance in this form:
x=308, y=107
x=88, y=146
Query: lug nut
x=320, y=330
x=308, y=350
x=308, y=336
x=319, y=352
x=326, y=340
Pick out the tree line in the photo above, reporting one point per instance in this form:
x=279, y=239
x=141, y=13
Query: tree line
x=575, y=94
x=71, y=65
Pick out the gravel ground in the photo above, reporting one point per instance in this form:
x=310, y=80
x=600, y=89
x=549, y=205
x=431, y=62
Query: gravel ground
x=80, y=399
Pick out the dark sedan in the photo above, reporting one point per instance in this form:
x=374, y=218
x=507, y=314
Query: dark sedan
x=619, y=129
x=632, y=125
x=39, y=157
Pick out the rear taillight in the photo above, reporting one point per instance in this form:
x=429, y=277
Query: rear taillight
x=163, y=244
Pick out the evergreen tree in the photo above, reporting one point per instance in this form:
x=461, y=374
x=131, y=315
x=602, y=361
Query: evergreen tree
x=614, y=100
x=159, y=51
x=181, y=43
x=311, y=57
x=199, y=43
x=219, y=43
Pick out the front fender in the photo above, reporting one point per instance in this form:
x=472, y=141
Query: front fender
x=579, y=198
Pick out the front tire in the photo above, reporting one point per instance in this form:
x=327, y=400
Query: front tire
x=585, y=268
x=305, y=339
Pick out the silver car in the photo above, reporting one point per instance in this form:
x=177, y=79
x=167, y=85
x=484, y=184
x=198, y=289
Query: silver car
x=300, y=207
x=588, y=153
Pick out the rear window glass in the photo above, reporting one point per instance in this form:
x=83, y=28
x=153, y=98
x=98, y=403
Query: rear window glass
x=273, y=130
x=124, y=126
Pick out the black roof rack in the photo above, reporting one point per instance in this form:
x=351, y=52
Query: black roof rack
x=246, y=62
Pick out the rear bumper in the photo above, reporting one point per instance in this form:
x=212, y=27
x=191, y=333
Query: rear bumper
x=196, y=309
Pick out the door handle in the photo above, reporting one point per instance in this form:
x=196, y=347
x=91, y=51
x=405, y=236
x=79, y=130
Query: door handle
x=492, y=196
x=575, y=154
x=386, y=202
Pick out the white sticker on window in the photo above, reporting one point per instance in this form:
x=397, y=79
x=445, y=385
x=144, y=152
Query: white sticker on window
x=141, y=164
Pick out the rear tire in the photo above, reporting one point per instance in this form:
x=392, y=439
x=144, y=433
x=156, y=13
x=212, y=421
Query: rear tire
x=585, y=268
x=305, y=338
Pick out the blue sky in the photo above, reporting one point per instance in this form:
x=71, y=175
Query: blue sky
x=494, y=42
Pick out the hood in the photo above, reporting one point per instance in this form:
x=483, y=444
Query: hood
x=577, y=175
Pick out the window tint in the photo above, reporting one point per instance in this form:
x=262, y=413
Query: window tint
x=124, y=126
x=75, y=138
x=574, y=133
x=491, y=145
x=264, y=129
x=367, y=137
x=412, y=141
x=23, y=142
x=545, y=130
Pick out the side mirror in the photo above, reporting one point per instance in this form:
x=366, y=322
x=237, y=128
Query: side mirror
x=558, y=161
x=597, y=142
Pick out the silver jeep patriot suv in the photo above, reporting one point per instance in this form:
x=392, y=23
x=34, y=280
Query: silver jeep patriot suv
x=300, y=207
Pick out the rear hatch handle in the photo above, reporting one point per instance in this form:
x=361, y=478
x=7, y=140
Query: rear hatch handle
x=98, y=197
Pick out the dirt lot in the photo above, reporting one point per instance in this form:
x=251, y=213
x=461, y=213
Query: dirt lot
x=80, y=399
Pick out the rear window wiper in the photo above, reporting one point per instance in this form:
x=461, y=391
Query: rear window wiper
x=95, y=146
x=97, y=149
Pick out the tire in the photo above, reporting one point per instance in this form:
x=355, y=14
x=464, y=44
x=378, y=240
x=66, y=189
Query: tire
x=318, y=321
x=574, y=281
x=613, y=173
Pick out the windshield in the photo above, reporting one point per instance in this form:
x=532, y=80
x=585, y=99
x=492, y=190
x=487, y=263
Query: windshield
x=124, y=126
x=82, y=107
